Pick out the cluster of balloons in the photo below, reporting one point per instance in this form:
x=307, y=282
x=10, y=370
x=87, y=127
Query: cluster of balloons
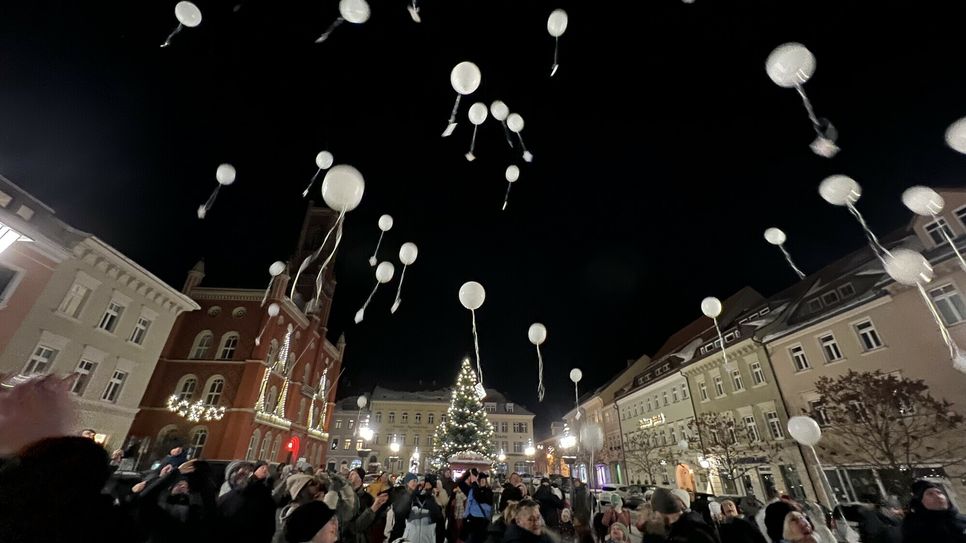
x=791, y=65
x=188, y=15
x=225, y=175
x=385, y=271
x=354, y=11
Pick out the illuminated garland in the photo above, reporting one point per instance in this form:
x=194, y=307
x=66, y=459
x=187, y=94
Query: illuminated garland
x=195, y=412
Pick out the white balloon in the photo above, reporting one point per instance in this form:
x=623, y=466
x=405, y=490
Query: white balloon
x=537, y=333
x=408, y=253
x=362, y=401
x=354, y=11
x=775, y=236
x=790, y=64
x=804, y=430
x=477, y=113
x=273, y=310
x=465, y=77
x=342, y=187
x=512, y=173
x=188, y=14
x=276, y=268
x=499, y=110
x=557, y=23
x=576, y=375
x=840, y=190
x=711, y=307
x=384, y=272
x=324, y=160
x=225, y=174
x=908, y=267
x=472, y=295
x=515, y=122
x=956, y=135
x=385, y=223
x=923, y=201
x=591, y=436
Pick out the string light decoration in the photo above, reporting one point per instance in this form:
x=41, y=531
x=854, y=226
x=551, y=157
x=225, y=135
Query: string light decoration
x=195, y=412
x=466, y=428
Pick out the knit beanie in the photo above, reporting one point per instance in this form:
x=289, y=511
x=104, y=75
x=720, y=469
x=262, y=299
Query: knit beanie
x=306, y=521
x=775, y=519
x=664, y=502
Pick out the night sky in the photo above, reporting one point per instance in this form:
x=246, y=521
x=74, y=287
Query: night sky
x=662, y=153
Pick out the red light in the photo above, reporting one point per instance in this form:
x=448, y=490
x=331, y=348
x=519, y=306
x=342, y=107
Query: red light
x=289, y=445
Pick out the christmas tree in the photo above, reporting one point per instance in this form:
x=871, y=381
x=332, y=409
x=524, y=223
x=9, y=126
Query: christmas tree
x=466, y=428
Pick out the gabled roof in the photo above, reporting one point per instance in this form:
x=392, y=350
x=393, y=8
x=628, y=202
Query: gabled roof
x=733, y=307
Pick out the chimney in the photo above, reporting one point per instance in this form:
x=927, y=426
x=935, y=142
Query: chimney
x=279, y=286
x=195, y=276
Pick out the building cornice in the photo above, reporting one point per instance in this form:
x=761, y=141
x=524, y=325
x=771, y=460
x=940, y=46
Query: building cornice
x=742, y=348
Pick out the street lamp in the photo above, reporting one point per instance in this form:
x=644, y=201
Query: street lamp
x=394, y=449
x=530, y=451
x=366, y=433
x=502, y=456
x=568, y=441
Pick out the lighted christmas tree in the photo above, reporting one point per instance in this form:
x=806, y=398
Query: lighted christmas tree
x=466, y=428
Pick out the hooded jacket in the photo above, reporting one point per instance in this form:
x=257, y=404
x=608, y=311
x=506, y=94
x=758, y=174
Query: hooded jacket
x=926, y=525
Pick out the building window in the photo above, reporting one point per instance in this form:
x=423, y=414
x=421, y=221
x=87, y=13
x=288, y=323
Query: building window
x=346, y=444
x=819, y=413
x=111, y=316
x=379, y=416
x=684, y=392
x=416, y=440
x=935, y=230
x=519, y=427
x=442, y=418
x=198, y=440
x=518, y=446
x=814, y=305
x=649, y=407
x=405, y=418
x=674, y=394
x=949, y=303
x=718, y=386
x=352, y=423
x=830, y=348
x=114, y=386
x=214, y=391
x=229, y=342
x=868, y=335
x=520, y=467
x=431, y=418
x=490, y=407
x=847, y=290
x=774, y=425
x=358, y=444
x=202, y=345
x=252, y=445
x=272, y=397
x=757, y=374
x=703, y=388
x=140, y=331
x=335, y=443
x=275, y=447
x=187, y=389
x=40, y=361
x=509, y=407
x=338, y=424
x=752, y=427
x=392, y=417
x=85, y=370
x=798, y=358
x=665, y=397
x=504, y=427
x=830, y=298
x=73, y=303
x=736, y=380
x=418, y=418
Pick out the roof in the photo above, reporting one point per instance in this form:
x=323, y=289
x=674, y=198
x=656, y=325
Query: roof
x=443, y=395
x=732, y=307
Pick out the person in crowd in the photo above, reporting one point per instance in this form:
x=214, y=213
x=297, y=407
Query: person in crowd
x=797, y=529
x=527, y=525
x=442, y=499
x=618, y=533
x=774, y=518
x=178, y=505
x=729, y=510
x=732, y=528
x=773, y=497
x=931, y=517
x=355, y=508
x=479, y=505
x=513, y=490
x=882, y=524
x=247, y=511
x=616, y=513
x=680, y=527
x=684, y=500
x=650, y=524
x=313, y=522
x=380, y=484
x=566, y=530
x=550, y=504
x=582, y=506
x=446, y=477
x=457, y=511
x=424, y=513
x=301, y=489
x=401, y=499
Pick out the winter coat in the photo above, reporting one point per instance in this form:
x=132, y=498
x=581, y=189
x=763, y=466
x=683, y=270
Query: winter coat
x=582, y=506
x=688, y=530
x=925, y=525
x=611, y=516
x=166, y=518
x=247, y=514
x=568, y=534
x=423, y=515
x=516, y=534
x=551, y=505
x=739, y=530
x=878, y=526
x=401, y=500
x=496, y=530
x=510, y=493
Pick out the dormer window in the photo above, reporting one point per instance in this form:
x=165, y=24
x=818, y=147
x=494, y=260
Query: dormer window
x=814, y=305
x=764, y=311
x=935, y=230
x=830, y=298
x=961, y=215
x=509, y=407
x=847, y=290
x=729, y=337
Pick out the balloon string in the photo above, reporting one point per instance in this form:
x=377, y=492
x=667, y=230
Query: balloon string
x=312, y=182
x=524, y=147
x=177, y=29
x=811, y=111
x=258, y=339
x=267, y=290
x=556, y=49
x=456, y=107
x=325, y=35
x=402, y=276
x=372, y=259
x=203, y=210
x=540, y=389
x=576, y=395
x=506, y=198
x=476, y=345
x=506, y=132
x=307, y=347
x=949, y=240
x=788, y=258
x=473, y=140
x=362, y=310
x=950, y=343
x=335, y=247
x=312, y=257
x=724, y=353
x=877, y=247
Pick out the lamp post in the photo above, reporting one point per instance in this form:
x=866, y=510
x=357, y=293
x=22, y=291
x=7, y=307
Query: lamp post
x=502, y=459
x=530, y=452
x=394, y=449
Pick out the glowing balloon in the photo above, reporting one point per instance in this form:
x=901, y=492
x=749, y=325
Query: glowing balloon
x=408, y=253
x=592, y=436
x=512, y=173
x=477, y=113
x=775, y=236
x=465, y=78
x=324, y=160
x=908, y=267
x=225, y=174
x=362, y=401
x=342, y=188
x=557, y=23
x=499, y=110
x=840, y=190
x=354, y=11
x=472, y=295
x=790, y=65
x=385, y=223
x=804, y=430
x=188, y=14
x=384, y=272
x=576, y=375
x=711, y=307
x=537, y=333
x=923, y=201
x=956, y=135
x=276, y=268
x=273, y=310
x=515, y=122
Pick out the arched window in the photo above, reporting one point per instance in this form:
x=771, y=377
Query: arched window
x=306, y=374
x=213, y=389
x=266, y=443
x=199, y=436
x=272, y=352
x=169, y=429
x=202, y=345
x=301, y=411
x=186, y=387
x=278, y=443
x=253, y=445
x=229, y=342
x=270, y=400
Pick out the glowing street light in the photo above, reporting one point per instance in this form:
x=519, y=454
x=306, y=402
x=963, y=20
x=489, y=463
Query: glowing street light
x=366, y=433
x=394, y=447
x=502, y=456
x=568, y=441
x=530, y=451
